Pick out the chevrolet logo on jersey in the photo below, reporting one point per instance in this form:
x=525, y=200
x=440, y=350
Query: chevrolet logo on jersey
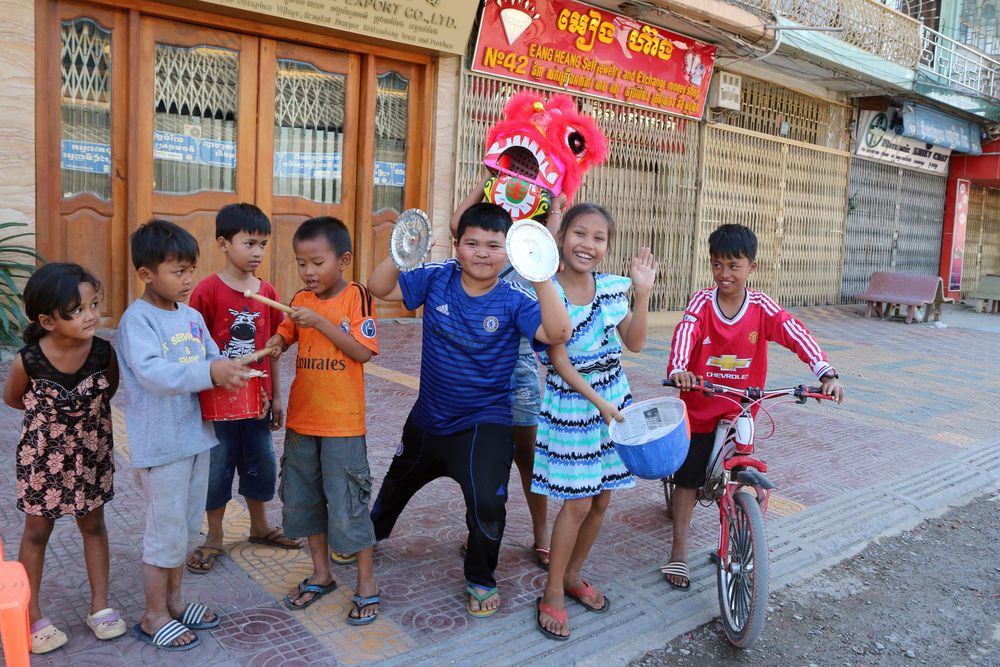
x=728, y=362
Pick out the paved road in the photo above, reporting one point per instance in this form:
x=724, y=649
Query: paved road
x=929, y=596
x=907, y=441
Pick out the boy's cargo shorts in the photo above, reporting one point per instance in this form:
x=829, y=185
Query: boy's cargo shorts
x=526, y=398
x=326, y=486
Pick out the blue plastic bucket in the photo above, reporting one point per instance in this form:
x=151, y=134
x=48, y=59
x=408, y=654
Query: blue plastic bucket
x=653, y=440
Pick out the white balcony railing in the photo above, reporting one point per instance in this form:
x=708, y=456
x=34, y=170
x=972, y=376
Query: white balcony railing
x=880, y=30
x=959, y=66
x=866, y=24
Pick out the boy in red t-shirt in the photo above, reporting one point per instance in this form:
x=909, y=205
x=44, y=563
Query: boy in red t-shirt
x=240, y=325
x=326, y=482
x=723, y=337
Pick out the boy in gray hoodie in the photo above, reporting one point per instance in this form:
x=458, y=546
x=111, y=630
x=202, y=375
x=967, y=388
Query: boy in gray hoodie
x=167, y=356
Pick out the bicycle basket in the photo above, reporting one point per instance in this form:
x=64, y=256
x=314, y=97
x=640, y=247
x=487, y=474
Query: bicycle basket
x=653, y=440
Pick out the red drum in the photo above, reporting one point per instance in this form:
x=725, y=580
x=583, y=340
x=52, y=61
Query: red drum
x=219, y=405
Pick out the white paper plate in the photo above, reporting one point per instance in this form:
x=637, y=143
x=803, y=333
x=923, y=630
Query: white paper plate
x=532, y=251
x=411, y=239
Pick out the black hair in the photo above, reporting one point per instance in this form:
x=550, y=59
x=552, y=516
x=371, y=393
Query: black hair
x=333, y=230
x=486, y=216
x=578, y=210
x=159, y=241
x=733, y=242
x=243, y=217
x=53, y=289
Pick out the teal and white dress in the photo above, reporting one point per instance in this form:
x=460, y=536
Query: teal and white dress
x=574, y=457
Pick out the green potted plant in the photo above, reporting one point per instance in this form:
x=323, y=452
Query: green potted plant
x=17, y=263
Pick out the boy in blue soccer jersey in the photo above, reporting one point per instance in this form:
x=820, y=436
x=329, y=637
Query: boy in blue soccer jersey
x=460, y=426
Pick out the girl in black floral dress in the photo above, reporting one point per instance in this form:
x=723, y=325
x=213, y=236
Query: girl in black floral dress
x=64, y=379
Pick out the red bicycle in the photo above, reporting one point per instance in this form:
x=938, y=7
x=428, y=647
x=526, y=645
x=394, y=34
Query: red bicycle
x=741, y=559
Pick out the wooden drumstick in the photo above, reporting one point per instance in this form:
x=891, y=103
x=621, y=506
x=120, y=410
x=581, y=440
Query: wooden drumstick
x=254, y=356
x=268, y=302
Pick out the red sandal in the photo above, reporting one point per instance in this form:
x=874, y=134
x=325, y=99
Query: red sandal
x=540, y=553
x=558, y=614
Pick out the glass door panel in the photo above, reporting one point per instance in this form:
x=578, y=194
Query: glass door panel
x=196, y=128
x=196, y=104
x=307, y=111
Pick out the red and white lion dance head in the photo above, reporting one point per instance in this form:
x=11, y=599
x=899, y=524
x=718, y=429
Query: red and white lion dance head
x=540, y=149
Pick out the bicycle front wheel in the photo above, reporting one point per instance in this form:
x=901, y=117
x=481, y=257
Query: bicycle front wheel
x=743, y=573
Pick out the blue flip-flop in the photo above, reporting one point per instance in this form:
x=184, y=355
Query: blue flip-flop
x=193, y=613
x=161, y=638
x=305, y=587
x=361, y=604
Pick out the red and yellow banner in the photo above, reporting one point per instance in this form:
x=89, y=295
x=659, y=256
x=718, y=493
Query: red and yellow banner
x=581, y=49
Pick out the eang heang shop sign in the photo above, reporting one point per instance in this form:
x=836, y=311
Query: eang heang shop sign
x=579, y=49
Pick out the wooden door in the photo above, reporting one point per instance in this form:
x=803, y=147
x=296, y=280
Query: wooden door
x=307, y=138
x=195, y=128
x=82, y=144
x=396, y=157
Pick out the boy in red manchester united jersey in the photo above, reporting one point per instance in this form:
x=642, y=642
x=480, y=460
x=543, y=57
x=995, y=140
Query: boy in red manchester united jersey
x=723, y=337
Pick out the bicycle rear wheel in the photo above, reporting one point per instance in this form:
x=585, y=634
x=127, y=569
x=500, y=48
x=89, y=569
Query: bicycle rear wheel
x=743, y=573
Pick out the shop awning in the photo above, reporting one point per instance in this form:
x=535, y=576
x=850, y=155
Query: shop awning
x=936, y=127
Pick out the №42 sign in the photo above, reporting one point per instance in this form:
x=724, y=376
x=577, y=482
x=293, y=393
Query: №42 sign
x=580, y=49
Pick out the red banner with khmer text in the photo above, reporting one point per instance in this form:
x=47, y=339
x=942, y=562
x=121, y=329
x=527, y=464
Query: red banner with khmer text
x=584, y=50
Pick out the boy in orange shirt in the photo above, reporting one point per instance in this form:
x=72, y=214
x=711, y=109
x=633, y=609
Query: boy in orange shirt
x=325, y=479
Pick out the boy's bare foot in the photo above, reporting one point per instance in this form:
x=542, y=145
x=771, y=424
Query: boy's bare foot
x=203, y=558
x=368, y=605
x=273, y=537
x=483, y=601
x=310, y=590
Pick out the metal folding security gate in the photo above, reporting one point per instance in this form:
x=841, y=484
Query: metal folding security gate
x=649, y=182
x=982, y=238
x=792, y=195
x=894, y=222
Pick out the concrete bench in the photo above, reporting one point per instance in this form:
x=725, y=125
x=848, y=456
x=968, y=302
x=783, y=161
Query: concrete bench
x=988, y=294
x=887, y=292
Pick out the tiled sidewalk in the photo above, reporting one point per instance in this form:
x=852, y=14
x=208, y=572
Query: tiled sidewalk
x=906, y=409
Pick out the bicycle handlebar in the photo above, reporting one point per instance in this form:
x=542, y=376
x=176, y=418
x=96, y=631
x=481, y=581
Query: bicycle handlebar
x=801, y=392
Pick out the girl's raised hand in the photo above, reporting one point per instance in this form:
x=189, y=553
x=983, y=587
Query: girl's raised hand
x=643, y=270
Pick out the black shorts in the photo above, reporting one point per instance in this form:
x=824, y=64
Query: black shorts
x=691, y=474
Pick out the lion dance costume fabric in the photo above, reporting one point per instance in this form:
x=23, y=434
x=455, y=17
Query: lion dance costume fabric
x=539, y=151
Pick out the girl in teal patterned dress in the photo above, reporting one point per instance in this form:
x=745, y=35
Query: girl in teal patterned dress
x=584, y=389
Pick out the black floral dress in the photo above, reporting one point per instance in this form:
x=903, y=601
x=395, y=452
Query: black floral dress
x=65, y=457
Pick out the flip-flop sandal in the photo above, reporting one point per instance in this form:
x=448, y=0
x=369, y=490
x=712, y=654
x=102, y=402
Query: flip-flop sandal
x=193, y=615
x=540, y=553
x=206, y=557
x=274, y=539
x=106, y=624
x=46, y=637
x=305, y=587
x=481, y=597
x=361, y=604
x=677, y=569
x=558, y=614
x=343, y=559
x=161, y=638
x=587, y=591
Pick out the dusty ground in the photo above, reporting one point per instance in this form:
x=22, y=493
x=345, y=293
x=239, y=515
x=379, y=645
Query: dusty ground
x=930, y=596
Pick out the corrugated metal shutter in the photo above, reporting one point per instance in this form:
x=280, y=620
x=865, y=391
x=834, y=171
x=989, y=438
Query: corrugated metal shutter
x=894, y=223
x=792, y=195
x=982, y=238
